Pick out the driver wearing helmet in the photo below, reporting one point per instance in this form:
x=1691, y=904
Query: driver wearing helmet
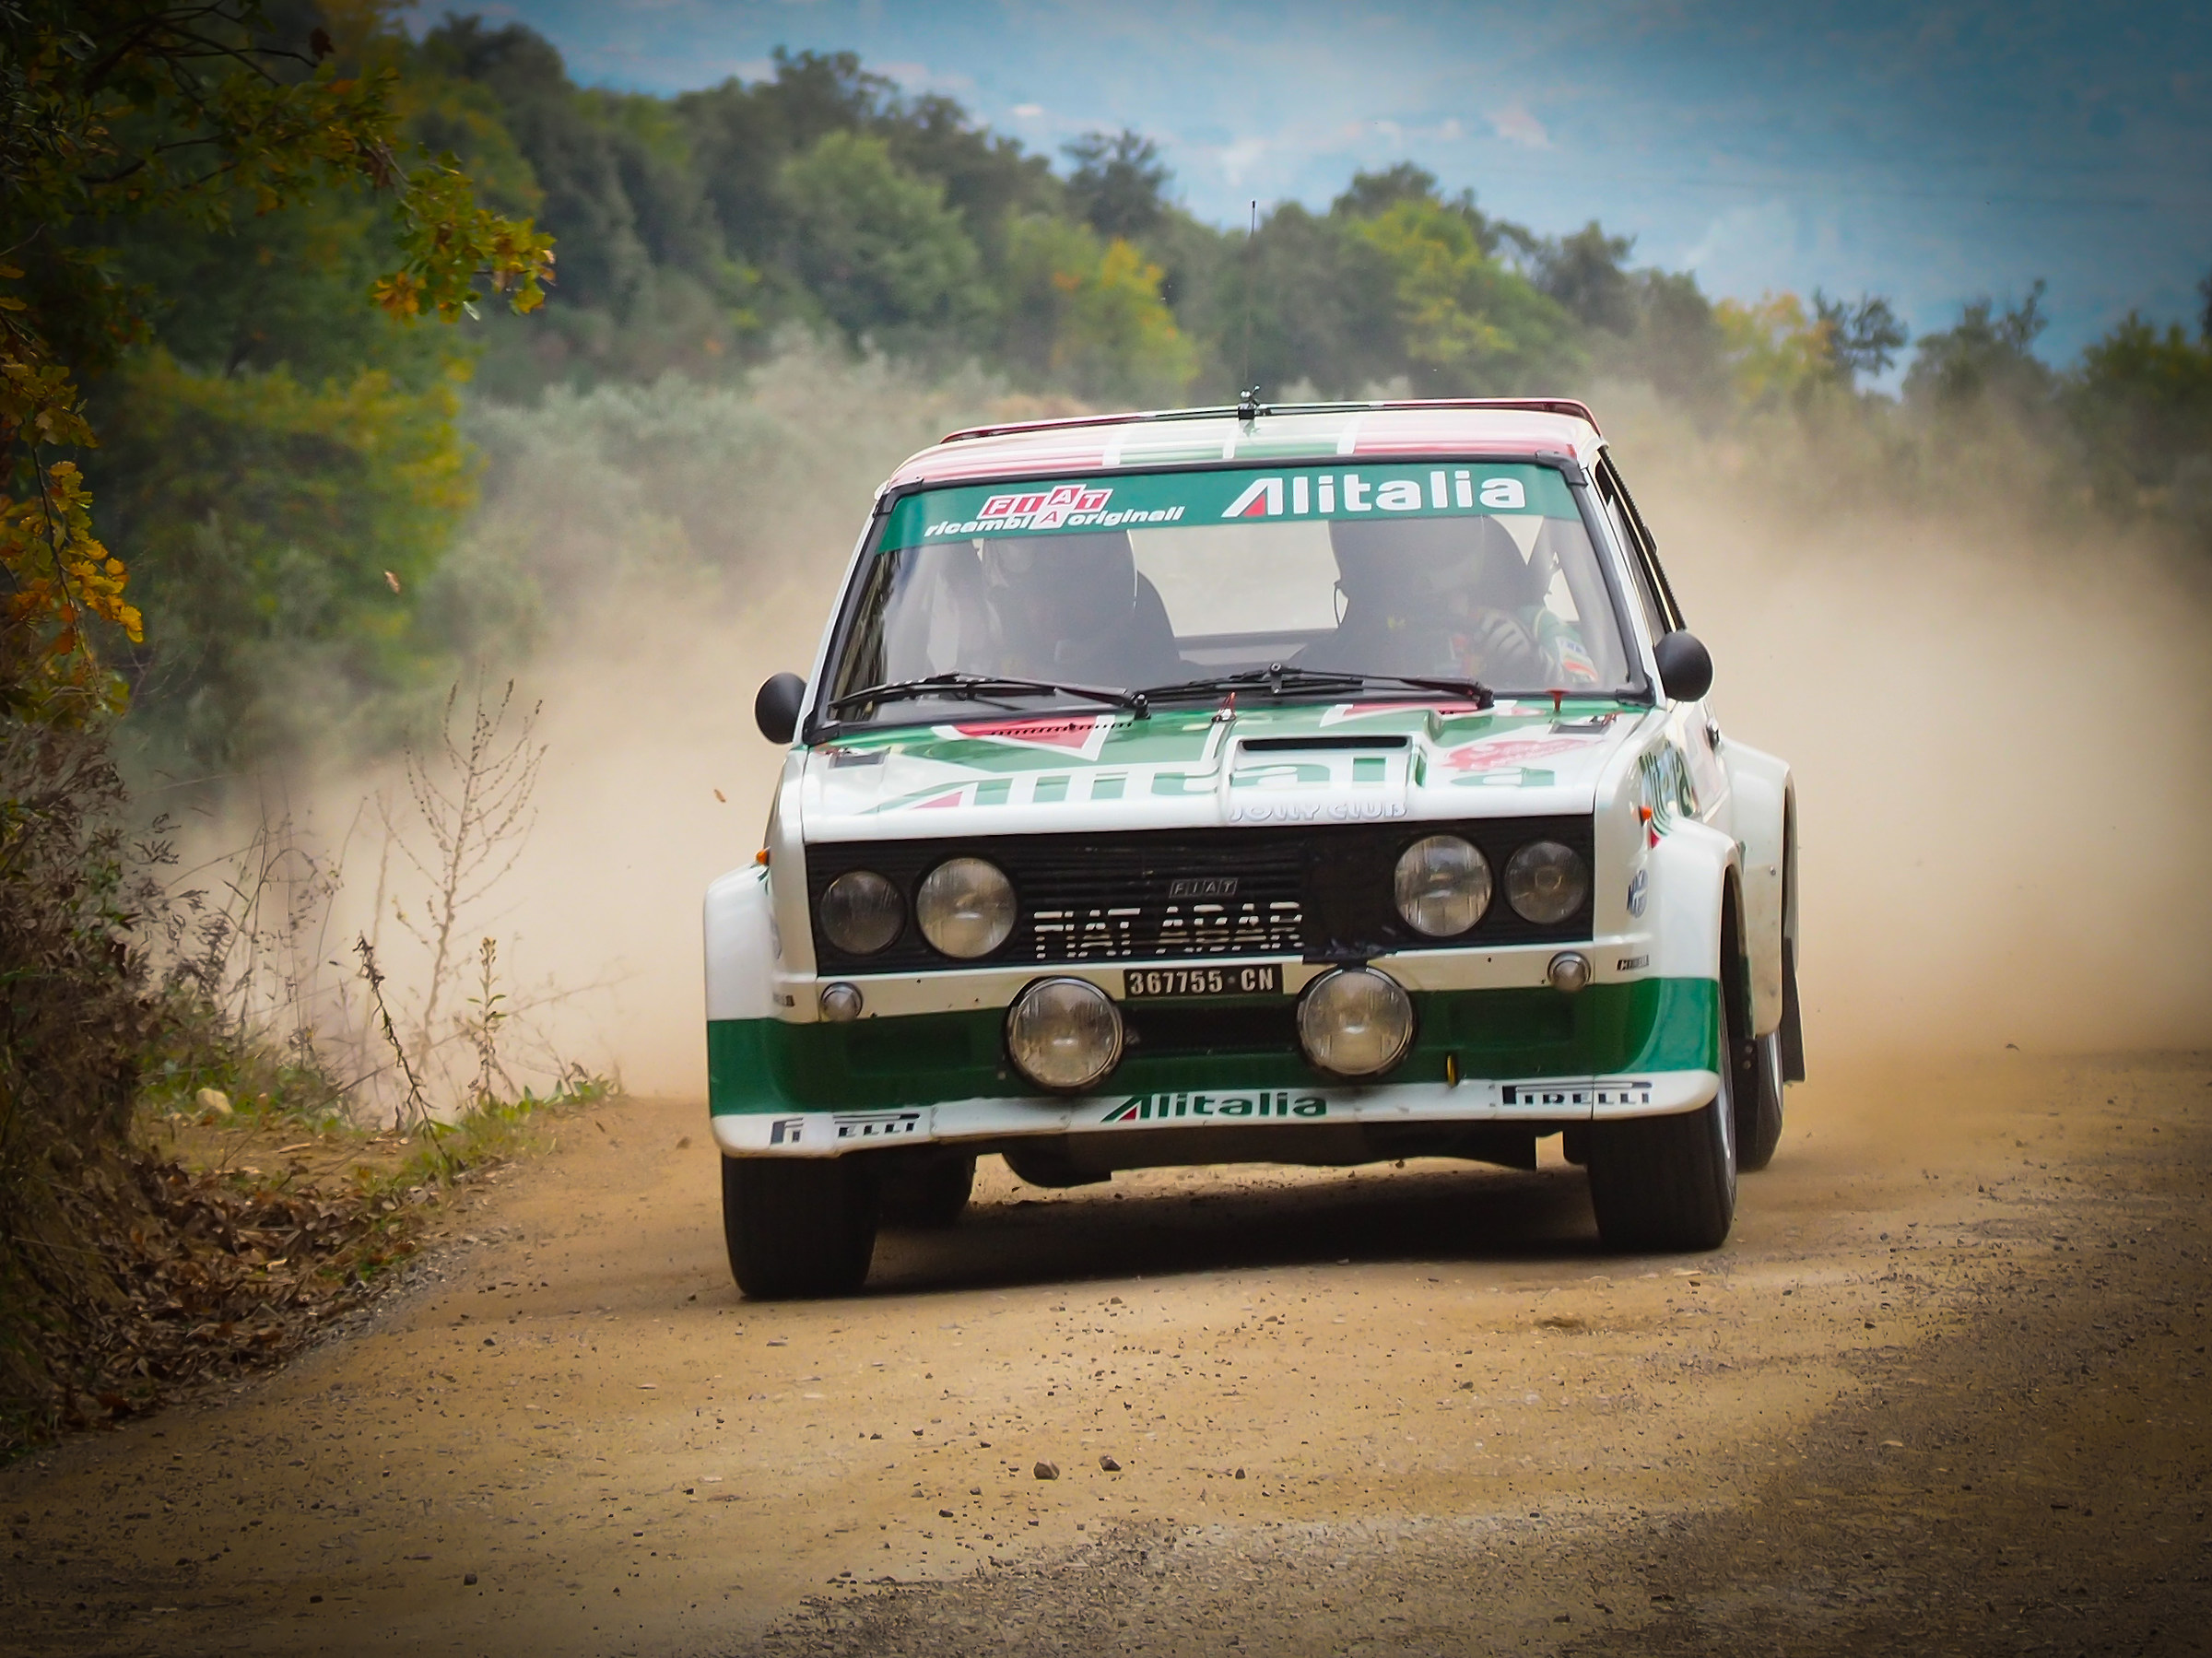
x=1450, y=596
x=1073, y=608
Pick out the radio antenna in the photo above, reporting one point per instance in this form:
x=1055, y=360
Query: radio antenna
x=1248, y=394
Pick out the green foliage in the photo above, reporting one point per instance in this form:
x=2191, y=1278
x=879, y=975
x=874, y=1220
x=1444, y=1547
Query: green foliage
x=1087, y=314
x=281, y=531
x=1467, y=324
x=122, y=113
x=2142, y=403
x=288, y=295
x=1863, y=338
x=1117, y=183
x=1984, y=360
x=1587, y=274
x=876, y=247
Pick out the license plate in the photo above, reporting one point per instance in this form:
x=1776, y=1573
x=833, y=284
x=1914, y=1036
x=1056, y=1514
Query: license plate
x=1143, y=983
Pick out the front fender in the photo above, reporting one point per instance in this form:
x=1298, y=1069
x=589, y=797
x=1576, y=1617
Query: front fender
x=1691, y=868
x=1764, y=799
x=741, y=947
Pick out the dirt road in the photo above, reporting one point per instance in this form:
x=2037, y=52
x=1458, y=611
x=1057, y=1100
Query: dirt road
x=1944, y=1390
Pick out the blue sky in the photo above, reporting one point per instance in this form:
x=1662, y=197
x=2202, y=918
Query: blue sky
x=1931, y=152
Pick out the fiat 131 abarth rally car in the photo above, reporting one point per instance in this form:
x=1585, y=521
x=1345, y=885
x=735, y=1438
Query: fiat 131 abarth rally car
x=1313, y=785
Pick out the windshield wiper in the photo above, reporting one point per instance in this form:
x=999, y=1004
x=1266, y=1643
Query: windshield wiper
x=1277, y=679
x=978, y=685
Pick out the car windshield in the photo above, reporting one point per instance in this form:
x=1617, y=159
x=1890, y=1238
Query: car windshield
x=1044, y=595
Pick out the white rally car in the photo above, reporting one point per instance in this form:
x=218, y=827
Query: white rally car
x=1315, y=784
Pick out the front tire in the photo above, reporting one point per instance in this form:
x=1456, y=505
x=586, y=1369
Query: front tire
x=799, y=1226
x=1666, y=1186
x=929, y=1193
x=1759, y=1106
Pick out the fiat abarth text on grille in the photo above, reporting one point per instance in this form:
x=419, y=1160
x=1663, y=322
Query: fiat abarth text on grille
x=1317, y=785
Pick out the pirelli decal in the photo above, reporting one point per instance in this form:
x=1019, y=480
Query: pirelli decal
x=1163, y=1108
x=1611, y=1094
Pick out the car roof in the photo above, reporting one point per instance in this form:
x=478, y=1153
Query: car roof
x=1492, y=428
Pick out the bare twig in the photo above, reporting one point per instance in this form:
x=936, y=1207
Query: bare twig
x=415, y=1100
x=473, y=800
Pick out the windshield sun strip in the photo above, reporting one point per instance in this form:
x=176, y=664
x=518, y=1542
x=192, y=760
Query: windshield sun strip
x=875, y=543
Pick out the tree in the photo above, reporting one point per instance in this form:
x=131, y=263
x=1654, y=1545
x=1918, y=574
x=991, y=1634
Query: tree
x=1117, y=183
x=1086, y=314
x=1316, y=305
x=2141, y=404
x=1775, y=352
x=281, y=529
x=987, y=177
x=1583, y=273
x=1372, y=194
x=1467, y=324
x=1985, y=358
x=876, y=246
x=123, y=109
x=1863, y=338
x=1679, y=344
x=741, y=136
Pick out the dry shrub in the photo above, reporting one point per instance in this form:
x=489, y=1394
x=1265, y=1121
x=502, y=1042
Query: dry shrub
x=197, y=1279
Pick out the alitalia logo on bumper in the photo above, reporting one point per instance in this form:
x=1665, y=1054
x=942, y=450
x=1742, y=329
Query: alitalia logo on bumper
x=1161, y=1108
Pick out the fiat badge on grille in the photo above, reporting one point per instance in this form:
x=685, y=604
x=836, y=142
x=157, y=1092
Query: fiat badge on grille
x=1203, y=886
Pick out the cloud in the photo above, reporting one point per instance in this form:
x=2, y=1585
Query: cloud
x=1516, y=125
x=1240, y=156
x=1026, y=111
x=912, y=75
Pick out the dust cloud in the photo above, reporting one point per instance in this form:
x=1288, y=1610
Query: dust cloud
x=2002, y=736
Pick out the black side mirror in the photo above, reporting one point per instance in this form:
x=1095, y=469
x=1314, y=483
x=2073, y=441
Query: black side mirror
x=776, y=705
x=1685, y=665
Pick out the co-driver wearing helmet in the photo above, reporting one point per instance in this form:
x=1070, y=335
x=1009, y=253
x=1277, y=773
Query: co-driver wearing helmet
x=1447, y=596
x=1073, y=608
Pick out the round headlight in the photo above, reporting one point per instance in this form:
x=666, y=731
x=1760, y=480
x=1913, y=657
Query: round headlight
x=1354, y=1021
x=861, y=912
x=1442, y=886
x=966, y=907
x=1064, y=1033
x=1545, y=882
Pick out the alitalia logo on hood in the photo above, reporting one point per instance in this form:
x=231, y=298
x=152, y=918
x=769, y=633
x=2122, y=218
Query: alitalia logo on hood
x=1367, y=492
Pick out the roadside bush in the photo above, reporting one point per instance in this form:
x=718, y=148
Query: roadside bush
x=76, y=1008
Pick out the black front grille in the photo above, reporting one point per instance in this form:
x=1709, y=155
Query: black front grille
x=1178, y=1028
x=1323, y=894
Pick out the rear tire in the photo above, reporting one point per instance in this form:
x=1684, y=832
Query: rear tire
x=1759, y=1106
x=1666, y=1186
x=929, y=1193
x=799, y=1226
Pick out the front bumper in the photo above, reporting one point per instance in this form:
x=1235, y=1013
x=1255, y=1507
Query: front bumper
x=1644, y=1047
